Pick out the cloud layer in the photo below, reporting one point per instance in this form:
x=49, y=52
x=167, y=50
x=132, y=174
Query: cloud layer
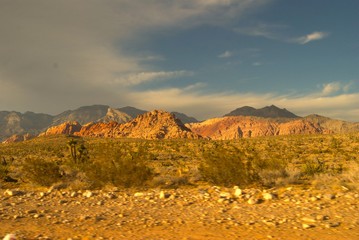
x=203, y=105
x=315, y=36
x=274, y=32
x=57, y=54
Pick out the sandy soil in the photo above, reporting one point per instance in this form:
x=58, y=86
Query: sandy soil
x=205, y=212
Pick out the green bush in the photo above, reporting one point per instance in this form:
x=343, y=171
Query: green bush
x=40, y=171
x=3, y=172
x=116, y=168
x=227, y=167
x=313, y=167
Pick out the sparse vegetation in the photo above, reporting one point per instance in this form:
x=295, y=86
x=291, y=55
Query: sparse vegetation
x=40, y=171
x=224, y=166
x=266, y=161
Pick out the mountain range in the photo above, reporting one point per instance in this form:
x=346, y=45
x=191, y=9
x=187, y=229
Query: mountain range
x=104, y=121
x=266, y=112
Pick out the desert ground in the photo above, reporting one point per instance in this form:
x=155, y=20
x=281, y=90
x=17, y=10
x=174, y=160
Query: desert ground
x=296, y=187
x=206, y=212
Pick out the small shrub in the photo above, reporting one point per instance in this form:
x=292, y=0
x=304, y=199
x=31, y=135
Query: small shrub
x=270, y=177
x=313, y=167
x=121, y=173
x=350, y=177
x=228, y=168
x=117, y=170
x=3, y=172
x=41, y=172
x=280, y=177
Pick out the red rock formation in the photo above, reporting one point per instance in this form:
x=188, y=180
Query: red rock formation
x=151, y=125
x=300, y=127
x=98, y=129
x=64, y=128
x=245, y=126
x=18, y=138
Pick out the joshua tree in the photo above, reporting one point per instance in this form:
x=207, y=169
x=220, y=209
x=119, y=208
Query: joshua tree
x=72, y=145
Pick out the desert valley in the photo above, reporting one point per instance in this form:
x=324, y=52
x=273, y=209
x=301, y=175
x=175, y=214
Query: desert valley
x=103, y=173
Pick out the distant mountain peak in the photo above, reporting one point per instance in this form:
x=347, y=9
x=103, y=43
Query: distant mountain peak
x=184, y=118
x=271, y=111
x=156, y=124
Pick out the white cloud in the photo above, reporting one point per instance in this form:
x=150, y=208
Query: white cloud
x=226, y=54
x=52, y=49
x=145, y=77
x=204, y=105
x=311, y=37
x=274, y=32
x=335, y=87
x=331, y=88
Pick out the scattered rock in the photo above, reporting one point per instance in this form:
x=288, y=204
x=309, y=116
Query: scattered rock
x=10, y=237
x=253, y=200
x=309, y=220
x=268, y=196
x=306, y=226
x=329, y=196
x=332, y=225
x=138, y=194
x=237, y=192
x=164, y=195
x=225, y=195
x=12, y=193
x=88, y=194
x=63, y=201
x=74, y=194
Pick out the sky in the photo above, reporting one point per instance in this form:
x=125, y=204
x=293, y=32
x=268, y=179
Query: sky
x=204, y=58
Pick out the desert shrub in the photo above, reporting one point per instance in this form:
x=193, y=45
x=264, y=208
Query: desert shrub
x=313, y=167
x=123, y=173
x=3, y=172
x=227, y=167
x=280, y=177
x=350, y=177
x=40, y=171
x=115, y=167
x=271, y=170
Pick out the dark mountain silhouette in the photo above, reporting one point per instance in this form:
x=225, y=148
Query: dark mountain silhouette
x=266, y=112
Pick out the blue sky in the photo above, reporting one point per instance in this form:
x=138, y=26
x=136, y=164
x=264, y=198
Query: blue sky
x=201, y=57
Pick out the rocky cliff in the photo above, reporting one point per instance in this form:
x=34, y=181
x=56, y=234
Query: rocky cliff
x=333, y=125
x=245, y=126
x=18, y=138
x=67, y=128
x=103, y=121
x=15, y=123
x=151, y=125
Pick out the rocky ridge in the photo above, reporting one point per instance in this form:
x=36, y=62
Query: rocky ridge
x=333, y=125
x=15, y=123
x=266, y=112
x=245, y=126
x=245, y=122
x=156, y=124
x=18, y=138
x=67, y=128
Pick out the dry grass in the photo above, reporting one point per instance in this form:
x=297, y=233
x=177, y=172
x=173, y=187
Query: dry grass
x=266, y=161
